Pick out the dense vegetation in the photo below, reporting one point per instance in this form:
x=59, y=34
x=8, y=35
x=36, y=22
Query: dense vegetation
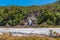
x=13, y=15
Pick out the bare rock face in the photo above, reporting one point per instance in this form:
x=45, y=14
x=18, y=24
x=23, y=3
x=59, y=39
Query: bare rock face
x=7, y=25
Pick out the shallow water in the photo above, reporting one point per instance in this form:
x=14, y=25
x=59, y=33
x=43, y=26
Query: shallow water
x=29, y=30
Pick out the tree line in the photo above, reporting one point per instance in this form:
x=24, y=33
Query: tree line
x=13, y=15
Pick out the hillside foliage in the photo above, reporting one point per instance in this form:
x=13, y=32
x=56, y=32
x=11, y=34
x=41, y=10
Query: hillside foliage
x=13, y=15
